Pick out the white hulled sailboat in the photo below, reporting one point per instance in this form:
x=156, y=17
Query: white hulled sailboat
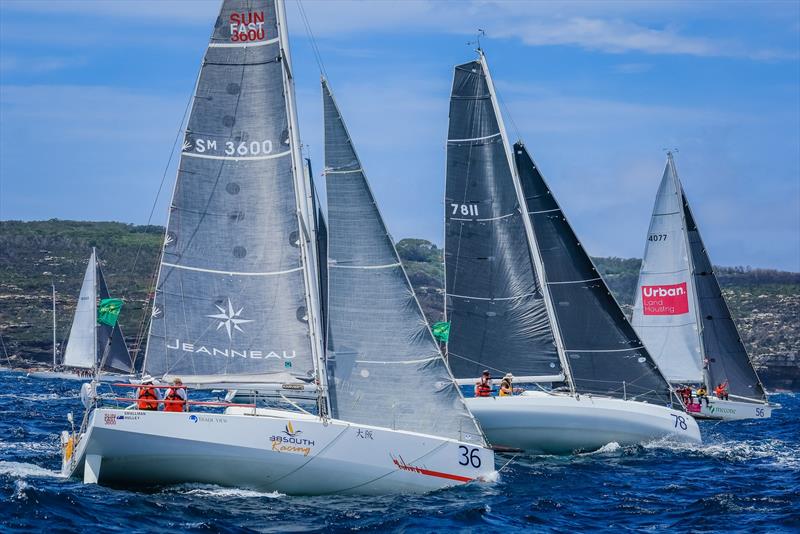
x=93, y=349
x=523, y=297
x=681, y=314
x=239, y=304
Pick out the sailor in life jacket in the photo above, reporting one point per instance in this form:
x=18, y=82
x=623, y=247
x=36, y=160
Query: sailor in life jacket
x=176, y=397
x=147, y=395
x=506, y=389
x=483, y=387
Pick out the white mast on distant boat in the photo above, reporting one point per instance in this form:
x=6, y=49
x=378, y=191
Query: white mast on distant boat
x=55, y=347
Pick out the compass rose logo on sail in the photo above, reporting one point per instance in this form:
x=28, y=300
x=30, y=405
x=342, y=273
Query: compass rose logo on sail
x=229, y=318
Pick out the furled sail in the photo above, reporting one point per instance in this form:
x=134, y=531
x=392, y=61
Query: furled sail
x=232, y=295
x=117, y=359
x=82, y=343
x=384, y=367
x=494, y=304
x=604, y=354
x=726, y=355
x=664, y=312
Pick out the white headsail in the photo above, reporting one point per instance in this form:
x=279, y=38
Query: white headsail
x=664, y=313
x=82, y=343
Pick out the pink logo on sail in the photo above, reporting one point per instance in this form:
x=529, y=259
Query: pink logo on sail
x=665, y=300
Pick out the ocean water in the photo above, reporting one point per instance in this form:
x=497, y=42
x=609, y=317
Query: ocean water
x=745, y=478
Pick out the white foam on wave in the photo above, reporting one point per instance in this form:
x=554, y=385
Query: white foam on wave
x=605, y=449
x=219, y=491
x=39, y=396
x=24, y=470
x=782, y=454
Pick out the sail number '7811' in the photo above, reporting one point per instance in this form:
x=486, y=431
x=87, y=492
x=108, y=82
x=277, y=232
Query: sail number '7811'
x=465, y=209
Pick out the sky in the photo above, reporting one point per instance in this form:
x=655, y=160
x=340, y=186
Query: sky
x=92, y=94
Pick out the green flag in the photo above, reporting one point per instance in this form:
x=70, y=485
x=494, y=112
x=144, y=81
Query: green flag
x=108, y=311
x=441, y=331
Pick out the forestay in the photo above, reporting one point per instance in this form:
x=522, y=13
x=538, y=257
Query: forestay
x=384, y=367
x=727, y=357
x=664, y=312
x=82, y=343
x=604, y=353
x=494, y=304
x=232, y=300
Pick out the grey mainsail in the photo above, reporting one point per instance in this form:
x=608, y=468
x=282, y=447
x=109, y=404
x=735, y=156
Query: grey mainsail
x=727, y=358
x=384, y=367
x=493, y=301
x=233, y=291
x=117, y=359
x=603, y=351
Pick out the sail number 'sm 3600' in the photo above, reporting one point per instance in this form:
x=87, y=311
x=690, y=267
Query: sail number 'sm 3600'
x=242, y=148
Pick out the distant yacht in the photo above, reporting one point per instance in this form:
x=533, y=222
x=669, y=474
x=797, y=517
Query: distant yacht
x=683, y=318
x=93, y=348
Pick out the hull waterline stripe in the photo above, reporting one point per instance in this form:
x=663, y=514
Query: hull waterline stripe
x=430, y=473
x=236, y=158
x=199, y=269
x=473, y=138
x=244, y=45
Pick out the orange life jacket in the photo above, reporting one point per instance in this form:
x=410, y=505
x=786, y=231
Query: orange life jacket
x=172, y=395
x=483, y=390
x=147, y=392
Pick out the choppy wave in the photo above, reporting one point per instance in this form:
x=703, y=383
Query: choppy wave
x=745, y=477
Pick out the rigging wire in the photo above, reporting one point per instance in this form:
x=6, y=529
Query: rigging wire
x=312, y=40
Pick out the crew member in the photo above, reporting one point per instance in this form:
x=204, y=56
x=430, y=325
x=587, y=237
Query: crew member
x=721, y=391
x=176, y=397
x=147, y=395
x=506, y=389
x=483, y=387
x=702, y=394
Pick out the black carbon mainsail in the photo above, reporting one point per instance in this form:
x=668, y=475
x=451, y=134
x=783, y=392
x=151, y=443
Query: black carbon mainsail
x=726, y=357
x=603, y=351
x=493, y=301
x=238, y=279
x=384, y=367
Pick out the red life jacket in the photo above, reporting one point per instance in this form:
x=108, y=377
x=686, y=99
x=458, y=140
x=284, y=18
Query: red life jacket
x=483, y=390
x=172, y=395
x=147, y=392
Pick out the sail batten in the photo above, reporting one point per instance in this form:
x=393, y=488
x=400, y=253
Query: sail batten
x=232, y=291
x=384, y=367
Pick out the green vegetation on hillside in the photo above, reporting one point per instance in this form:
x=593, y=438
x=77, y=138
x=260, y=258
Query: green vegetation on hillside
x=766, y=303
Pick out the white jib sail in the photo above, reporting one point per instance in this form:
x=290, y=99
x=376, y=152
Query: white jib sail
x=81, y=345
x=664, y=313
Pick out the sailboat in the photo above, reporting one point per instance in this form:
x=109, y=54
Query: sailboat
x=523, y=297
x=238, y=305
x=682, y=316
x=92, y=347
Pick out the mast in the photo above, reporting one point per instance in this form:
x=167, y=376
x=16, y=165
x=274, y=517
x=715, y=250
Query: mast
x=304, y=200
x=55, y=348
x=685, y=231
x=94, y=306
x=532, y=244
